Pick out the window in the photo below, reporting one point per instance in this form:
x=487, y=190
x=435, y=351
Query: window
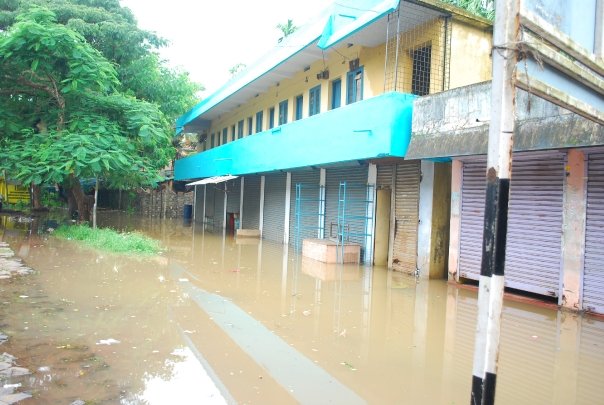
x=259, y=121
x=271, y=117
x=336, y=93
x=250, y=122
x=420, y=78
x=314, y=100
x=212, y=140
x=232, y=132
x=240, y=129
x=283, y=112
x=299, y=107
x=354, y=82
x=224, y=136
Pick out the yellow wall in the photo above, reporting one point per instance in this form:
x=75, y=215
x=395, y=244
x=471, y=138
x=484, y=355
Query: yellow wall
x=470, y=55
x=469, y=63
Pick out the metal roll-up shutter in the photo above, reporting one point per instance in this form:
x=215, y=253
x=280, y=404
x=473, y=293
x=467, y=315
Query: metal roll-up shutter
x=590, y=373
x=593, y=272
x=234, y=194
x=356, y=178
x=406, y=213
x=218, y=204
x=210, y=204
x=251, y=203
x=199, y=202
x=534, y=244
x=384, y=176
x=309, y=206
x=274, y=207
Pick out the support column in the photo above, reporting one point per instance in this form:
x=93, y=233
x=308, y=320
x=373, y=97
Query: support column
x=224, y=213
x=261, y=216
x=455, y=219
x=321, y=224
x=573, y=225
x=194, y=201
x=288, y=199
x=241, y=203
x=203, y=218
x=370, y=213
x=424, y=228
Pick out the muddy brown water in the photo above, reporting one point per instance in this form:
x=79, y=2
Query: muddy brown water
x=212, y=320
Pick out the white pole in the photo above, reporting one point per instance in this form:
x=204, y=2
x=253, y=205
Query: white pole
x=96, y=197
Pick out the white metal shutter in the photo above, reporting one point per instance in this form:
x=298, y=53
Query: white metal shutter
x=251, y=203
x=355, y=177
x=593, y=272
x=533, y=252
x=210, y=206
x=274, y=207
x=406, y=213
x=234, y=194
x=218, y=204
x=309, y=202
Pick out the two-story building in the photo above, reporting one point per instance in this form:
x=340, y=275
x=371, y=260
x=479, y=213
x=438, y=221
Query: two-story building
x=368, y=126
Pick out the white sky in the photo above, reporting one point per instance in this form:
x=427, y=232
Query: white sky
x=207, y=38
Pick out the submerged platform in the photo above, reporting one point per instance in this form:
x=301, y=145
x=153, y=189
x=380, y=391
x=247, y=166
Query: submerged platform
x=326, y=251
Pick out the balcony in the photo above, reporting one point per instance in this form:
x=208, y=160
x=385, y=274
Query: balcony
x=373, y=128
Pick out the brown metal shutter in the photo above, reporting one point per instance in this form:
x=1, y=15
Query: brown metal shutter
x=406, y=212
x=534, y=244
x=593, y=272
x=384, y=176
x=251, y=203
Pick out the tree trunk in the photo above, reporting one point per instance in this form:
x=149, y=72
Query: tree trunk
x=80, y=199
x=36, y=201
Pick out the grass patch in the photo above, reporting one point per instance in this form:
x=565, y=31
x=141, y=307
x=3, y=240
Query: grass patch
x=109, y=240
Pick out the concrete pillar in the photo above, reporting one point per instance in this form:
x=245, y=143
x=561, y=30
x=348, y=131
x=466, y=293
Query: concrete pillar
x=434, y=211
x=226, y=200
x=194, y=202
x=288, y=199
x=261, y=216
x=455, y=219
x=203, y=212
x=322, y=177
x=241, y=202
x=370, y=213
x=573, y=229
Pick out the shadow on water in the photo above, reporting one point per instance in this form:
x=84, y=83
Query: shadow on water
x=220, y=320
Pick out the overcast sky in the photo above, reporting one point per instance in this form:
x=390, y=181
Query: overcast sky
x=207, y=38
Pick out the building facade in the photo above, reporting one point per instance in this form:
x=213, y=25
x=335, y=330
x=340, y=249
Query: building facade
x=369, y=126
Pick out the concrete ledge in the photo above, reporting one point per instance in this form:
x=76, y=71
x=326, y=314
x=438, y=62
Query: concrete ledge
x=329, y=271
x=248, y=233
x=326, y=251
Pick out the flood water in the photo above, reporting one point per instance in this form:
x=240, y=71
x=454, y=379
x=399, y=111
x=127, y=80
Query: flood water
x=212, y=320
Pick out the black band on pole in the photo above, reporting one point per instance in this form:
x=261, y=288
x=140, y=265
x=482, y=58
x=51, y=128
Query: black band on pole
x=476, y=390
x=489, y=389
x=503, y=193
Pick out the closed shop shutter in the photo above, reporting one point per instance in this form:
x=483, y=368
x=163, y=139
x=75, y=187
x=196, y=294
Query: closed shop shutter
x=384, y=176
x=199, y=203
x=593, y=273
x=406, y=212
x=234, y=193
x=210, y=204
x=274, y=207
x=218, y=204
x=533, y=253
x=309, y=203
x=356, y=179
x=251, y=203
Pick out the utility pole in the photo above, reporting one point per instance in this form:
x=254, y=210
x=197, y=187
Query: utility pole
x=499, y=165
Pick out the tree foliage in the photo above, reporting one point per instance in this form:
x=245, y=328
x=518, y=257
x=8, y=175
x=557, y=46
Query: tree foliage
x=482, y=8
x=286, y=29
x=83, y=95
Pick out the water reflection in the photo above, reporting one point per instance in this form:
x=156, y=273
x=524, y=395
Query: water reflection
x=247, y=321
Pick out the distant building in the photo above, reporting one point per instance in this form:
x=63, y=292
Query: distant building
x=370, y=125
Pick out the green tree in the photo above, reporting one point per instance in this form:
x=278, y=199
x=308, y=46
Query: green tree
x=64, y=117
x=482, y=8
x=286, y=29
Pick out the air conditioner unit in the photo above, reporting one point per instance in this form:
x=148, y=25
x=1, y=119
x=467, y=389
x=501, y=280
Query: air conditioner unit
x=323, y=75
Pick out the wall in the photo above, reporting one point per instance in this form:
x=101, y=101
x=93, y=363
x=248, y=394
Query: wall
x=470, y=55
x=163, y=202
x=456, y=123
